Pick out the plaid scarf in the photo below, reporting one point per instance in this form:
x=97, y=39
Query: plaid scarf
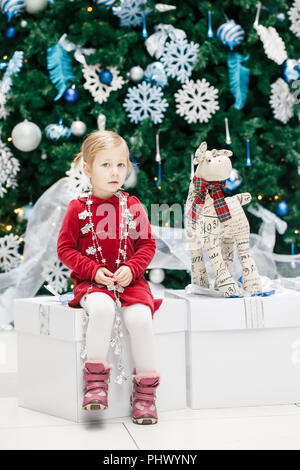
x=214, y=189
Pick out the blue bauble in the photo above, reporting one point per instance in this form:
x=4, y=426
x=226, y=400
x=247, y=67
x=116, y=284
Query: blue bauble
x=291, y=70
x=107, y=3
x=282, y=209
x=71, y=95
x=12, y=7
x=234, y=180
x=10, y=32
x=106, y=77
x=230, y=34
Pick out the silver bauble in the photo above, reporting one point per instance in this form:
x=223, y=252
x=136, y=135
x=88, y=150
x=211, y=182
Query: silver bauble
x=78, y=128
x=35, y=6
x=157, y=275
x=101, y=122
x=136, y=73
x=26, y=136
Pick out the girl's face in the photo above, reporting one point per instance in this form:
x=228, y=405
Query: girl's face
x=108, y=171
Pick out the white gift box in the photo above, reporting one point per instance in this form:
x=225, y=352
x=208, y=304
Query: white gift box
x=243, y=351
x=50, y=342
x=8, y=363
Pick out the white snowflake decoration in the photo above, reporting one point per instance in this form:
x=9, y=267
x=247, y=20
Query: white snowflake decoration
x=144, y=101
x=273, y=44
x=77, y=181
x=294, y=15
x=56, y=274
x=99, y=91
x=282, y=101
x=9, y=254
x=179, y=58
x=9, y=167
x=130, y=12
x=197, y=101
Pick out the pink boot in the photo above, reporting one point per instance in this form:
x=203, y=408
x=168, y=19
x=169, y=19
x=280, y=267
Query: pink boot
x=96, y=377
x=143, y=398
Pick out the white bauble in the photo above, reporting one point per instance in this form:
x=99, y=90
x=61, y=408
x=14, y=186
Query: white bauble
x=157, y=275
x=78, y=128
x=101, y=122
x=136, y=73
x=23, y=23
x=35, y=6
x=131, y=180
x=26, y=136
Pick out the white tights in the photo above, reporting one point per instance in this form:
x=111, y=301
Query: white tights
x=100, y=308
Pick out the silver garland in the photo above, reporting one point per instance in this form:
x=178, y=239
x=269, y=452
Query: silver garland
x=127, y=220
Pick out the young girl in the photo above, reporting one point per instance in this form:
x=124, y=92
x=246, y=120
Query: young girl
x=100, y=242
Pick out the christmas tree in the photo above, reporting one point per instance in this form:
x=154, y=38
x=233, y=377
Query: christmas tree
x=164, y=76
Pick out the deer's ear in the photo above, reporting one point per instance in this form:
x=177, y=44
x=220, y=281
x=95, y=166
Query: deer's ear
x=203, y=147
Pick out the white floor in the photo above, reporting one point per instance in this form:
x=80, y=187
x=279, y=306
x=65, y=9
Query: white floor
x=267, y=427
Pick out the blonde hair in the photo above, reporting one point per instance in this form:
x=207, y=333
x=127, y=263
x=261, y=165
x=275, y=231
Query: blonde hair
x=100, y=140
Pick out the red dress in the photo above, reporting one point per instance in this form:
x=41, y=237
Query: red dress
x=72, y=245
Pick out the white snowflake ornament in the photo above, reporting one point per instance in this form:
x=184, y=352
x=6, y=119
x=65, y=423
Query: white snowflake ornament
x=282, y=101
x=9, y=254
x=179, y=58
x=130, y=12
x=77, y=181
x=9, y=168
x=100, y=91
x=294, y=16
x=197, y=101
x=56, y=274
x=273, y=44
x=144, y=101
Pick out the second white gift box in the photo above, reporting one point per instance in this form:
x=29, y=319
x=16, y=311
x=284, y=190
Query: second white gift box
x=50, y=341
x=243, y=351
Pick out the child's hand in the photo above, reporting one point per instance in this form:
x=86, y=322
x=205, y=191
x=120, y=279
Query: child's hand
x=104, y=276
x=123, y=276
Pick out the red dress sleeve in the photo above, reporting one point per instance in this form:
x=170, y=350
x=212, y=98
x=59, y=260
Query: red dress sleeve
x=67, y=248
x=144, y=244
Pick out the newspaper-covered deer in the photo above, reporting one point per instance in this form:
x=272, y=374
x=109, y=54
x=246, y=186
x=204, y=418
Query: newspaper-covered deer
x=217, y=223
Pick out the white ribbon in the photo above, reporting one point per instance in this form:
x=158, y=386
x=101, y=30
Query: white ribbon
x=79, y=50
x=270, y=223
x=156, y=42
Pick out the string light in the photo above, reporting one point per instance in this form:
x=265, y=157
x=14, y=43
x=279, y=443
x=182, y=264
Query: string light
x=8, y=228
x=155, y=178
x=4, y=57
x=259, y=197
x=9, y=139
x=276, y=197
x=89, y=9
x=296, y=231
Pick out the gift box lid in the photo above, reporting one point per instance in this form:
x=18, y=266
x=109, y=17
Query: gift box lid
x=279, y=310
x=45, y=315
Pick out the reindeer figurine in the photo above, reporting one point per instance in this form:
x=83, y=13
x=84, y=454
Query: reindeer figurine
x=216, y=223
